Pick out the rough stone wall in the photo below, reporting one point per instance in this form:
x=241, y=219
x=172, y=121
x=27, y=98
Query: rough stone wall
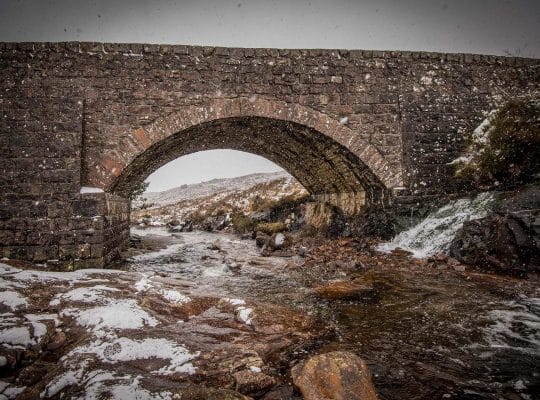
x=116, y=215
x=40, y=137
x=43, y=217
x=69, y=111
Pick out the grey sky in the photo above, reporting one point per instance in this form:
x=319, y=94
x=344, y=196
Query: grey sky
x=205, y=165
x=472, y=26
x=476, y=26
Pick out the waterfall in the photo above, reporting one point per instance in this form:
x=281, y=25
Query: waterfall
x=435, y=233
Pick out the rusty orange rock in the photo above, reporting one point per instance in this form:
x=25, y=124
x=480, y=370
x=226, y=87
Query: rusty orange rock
x=337, y=375
x=345, y=290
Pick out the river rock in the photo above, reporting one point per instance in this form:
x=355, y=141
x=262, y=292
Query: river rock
x=253, y=383
x=216, y=223
x=345, y=290
x=181, y=227
x=507, y=240
x=337, y=375
x=216, y=245
x=278, y=241
x=278, y=246
x=261, y=238
x=508, y=244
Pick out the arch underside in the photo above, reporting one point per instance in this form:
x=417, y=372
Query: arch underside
x=321, y=165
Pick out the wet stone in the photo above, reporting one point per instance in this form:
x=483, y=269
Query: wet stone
x=345, y=290
x=254, y=383
x=430, y=332
x=334, y=376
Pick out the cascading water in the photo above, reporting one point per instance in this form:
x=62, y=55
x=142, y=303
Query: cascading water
x=435, y=233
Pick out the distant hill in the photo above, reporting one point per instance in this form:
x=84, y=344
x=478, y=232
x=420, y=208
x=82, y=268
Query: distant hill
x=214, y=187
x=250, y=193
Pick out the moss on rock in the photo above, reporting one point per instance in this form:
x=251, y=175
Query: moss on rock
x=505, y=150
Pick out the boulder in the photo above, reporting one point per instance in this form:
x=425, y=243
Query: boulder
x=278, y=241
x=216, y=223
x=337, y=375
x=345, y=290
x=507, y=240
x=278, y=245
x=508, y=244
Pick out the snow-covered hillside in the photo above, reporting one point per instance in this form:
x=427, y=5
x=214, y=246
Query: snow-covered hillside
x=250, y=193
x=215, y=186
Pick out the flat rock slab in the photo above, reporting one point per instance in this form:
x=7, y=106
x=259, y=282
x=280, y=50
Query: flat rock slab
x=345, y=290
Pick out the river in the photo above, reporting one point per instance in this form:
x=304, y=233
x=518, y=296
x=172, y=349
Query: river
x=426, y=333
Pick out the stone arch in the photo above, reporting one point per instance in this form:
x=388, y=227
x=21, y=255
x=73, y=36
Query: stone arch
x=327, y=157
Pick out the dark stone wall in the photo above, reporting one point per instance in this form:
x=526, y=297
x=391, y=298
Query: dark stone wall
x=77, y=114
x=43, y=215
x=115, y=227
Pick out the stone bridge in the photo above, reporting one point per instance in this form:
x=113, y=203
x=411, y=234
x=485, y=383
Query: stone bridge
x=356, y=128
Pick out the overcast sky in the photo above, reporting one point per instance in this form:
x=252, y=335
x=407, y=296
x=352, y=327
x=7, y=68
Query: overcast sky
x=473, y=26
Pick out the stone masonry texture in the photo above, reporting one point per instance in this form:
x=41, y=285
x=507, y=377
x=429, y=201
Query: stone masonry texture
x=366, y=127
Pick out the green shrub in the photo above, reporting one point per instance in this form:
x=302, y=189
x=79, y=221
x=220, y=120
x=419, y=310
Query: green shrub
x=271, y=227
x=506, y=150
x=197, y=217
x=241, y=223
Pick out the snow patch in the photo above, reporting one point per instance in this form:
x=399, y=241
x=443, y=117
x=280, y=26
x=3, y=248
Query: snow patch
x=13, y=299
x=426, y=80
x=143, y=285
x=93, y=294
x=244, y=314
x=9, y=391
x=279, y=240
x=174, y=296
x=235, y=302
x=99, y=386
x=158, y=231
x=87, y=189
x=124, y=349
x=118, y=314
x=480, y=137
x=16, y=335
x=7, y=285
x=481, y=132
x=81, y=275
x=61, y=382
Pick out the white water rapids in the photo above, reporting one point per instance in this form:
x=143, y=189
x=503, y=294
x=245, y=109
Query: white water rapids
x=435, y=233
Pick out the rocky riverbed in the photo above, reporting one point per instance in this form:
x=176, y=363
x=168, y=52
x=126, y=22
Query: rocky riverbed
x=204, y=316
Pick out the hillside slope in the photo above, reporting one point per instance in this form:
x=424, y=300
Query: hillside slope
x=246, y=193
x=204, y=189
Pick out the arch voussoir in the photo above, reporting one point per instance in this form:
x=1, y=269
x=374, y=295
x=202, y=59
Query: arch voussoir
x=142, y=138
